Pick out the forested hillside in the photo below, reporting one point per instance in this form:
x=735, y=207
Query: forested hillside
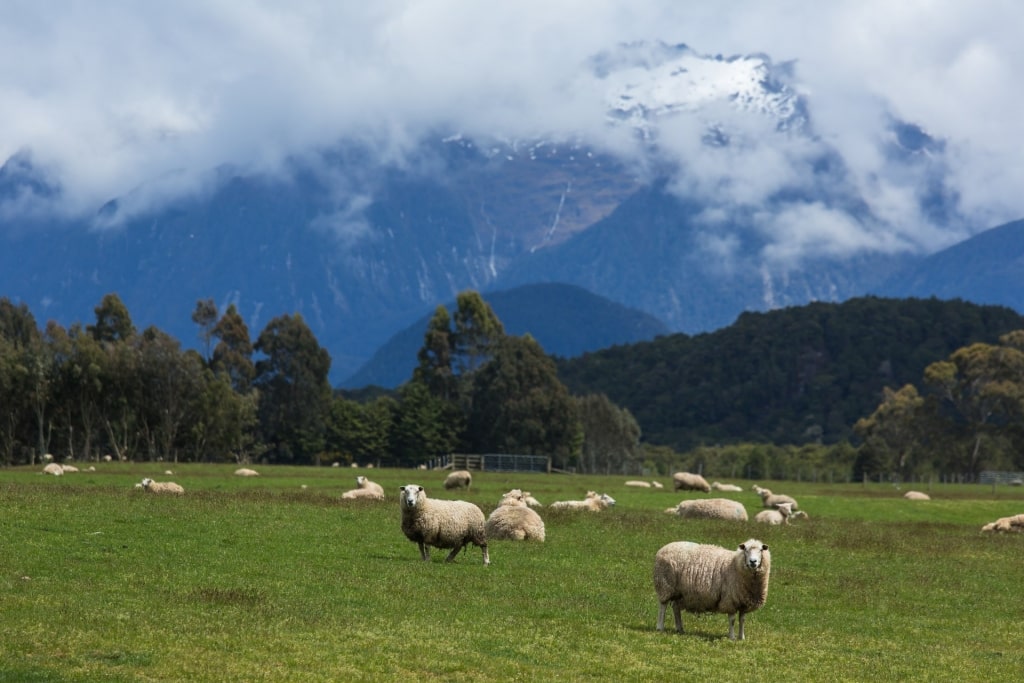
x=795, y=375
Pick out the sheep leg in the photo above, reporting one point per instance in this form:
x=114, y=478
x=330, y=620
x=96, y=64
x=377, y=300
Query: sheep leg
x=487, y=557
x=424, y=552
x=453, y=553
x=661, y=616
x=743, y=617
x=677, y=613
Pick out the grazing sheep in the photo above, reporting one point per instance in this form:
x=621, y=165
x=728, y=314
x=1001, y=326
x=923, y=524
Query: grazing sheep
x=54, y=469
x=688, y=481
x=246, y=472
x=916, y=495
x=594, y=502
x=512, y=520
x=770, y=500
x=641, y=484
x=162, y=486
x=441, y=523
x=459, y=479
x=708, y=578
x=780, y=515
x=718, y=486
x=1014, y=524
x=711, y=508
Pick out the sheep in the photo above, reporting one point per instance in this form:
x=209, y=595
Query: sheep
x=162, y=486
x=69, y=468
x=690, y=482
x=513, y=520
x=1013, y=524
x=459, y=479
x=593, y=502
x=657, y=484
x=369, y=490
x=916, y=495
x=441, y=523
x=710, y=508
x=246, y=472
x=770, y=500
x=718, y=486
x=641, y=484
x=760, y=490
x=708, y=578
x=780, y=515
x=531, y=501
x=54, y=469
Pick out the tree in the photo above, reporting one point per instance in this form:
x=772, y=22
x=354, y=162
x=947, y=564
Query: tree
x=113, y=323
x=205, y=316
x=435, y=369
x=520, y=406
x=477, y=331
x=294, y=391
x=611, y=436
x=233, y=353
x=892, y=435
x=424, y=426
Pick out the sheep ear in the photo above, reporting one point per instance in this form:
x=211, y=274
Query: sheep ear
x=764, y=547
x=743, y=546
x=401, y=488
x=419, y=488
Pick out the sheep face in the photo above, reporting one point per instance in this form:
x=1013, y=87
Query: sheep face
x=752, y=550
x=361, y=480
x=410, y=495
x=146, y=482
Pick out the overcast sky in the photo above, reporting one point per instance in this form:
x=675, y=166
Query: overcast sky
x=113, y=97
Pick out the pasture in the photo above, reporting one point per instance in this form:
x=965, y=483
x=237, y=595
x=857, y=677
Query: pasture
x=263, y=580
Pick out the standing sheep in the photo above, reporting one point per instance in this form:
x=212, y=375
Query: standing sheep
x=513, y=520
x=441, y=523
x=780, y=515
x=459, y=479
x=711, y=508
x=708, y=578
x=688, y=481
x=161, y=486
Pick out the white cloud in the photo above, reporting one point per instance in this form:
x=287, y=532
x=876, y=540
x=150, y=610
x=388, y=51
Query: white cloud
x=126, y=99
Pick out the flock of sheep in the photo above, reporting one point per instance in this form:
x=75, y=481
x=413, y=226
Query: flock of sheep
x=689, y=576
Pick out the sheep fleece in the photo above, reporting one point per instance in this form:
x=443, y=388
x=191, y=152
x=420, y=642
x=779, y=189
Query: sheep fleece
x=441, y=523
x=708, y=578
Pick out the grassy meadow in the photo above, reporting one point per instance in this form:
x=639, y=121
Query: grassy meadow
x=276, y=579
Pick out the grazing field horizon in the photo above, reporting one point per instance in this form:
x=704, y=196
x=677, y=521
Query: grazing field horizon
x=276, y=578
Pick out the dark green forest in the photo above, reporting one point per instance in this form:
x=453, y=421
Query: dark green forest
x=867, y=388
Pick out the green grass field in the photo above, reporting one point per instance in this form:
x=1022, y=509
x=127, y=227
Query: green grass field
x=264, y=580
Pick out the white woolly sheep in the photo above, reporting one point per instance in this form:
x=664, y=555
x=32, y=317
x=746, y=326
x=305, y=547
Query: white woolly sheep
x=162, y=486
x=431, y=522
x=759, y=490
x=512, y=520
x=69, y=468
x=593, y=502
x=1014, y=524
x=719, y=486
x=711, y=508
x=708, y=578
x=657, y=484
x=459, y=479
x=246, y=472
x=916, y=495
x=780, y=515
x=687, y=481
x=365, y=489
x=640, y=484
x=770, y=500
x=531, y=501
x=54, y=469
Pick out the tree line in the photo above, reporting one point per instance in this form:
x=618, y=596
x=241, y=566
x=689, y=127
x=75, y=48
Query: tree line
x=105, y=389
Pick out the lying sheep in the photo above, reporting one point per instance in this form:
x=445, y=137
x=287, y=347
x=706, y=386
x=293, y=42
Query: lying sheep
x=916, y=495
x=657, y=484
x=641, y=484
x=246, y=472
x=780, y=515
x=1014, y=524
x=459, y=479
x=710, y=508
x=162, y=486
x=513, y=520
x=54, y=469
x=718, y=486
x=365, y=489
x=687, y=481
x=531, y=501
x=708, y=578
x=441, y=523
x=594, y=502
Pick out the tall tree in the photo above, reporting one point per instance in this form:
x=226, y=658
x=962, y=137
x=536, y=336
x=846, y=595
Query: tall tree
x=893, y=434
x=611, y=436
x=435, y=369
x=294, y=391
x=205, y=316
x=477, y=331
x=233, y=353
x=113, y=323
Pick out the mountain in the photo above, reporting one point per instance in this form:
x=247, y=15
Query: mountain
x=363, y=248
x=564, y=319
x=987, y=268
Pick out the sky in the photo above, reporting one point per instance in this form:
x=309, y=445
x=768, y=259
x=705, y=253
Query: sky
x=119, y=98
